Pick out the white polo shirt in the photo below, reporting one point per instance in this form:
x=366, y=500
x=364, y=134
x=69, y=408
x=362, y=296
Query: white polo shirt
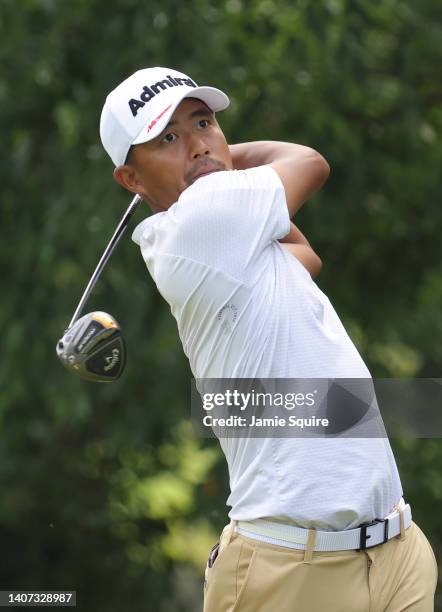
x=247, y=308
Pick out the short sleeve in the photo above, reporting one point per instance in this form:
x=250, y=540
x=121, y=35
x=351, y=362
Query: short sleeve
x=228, y=219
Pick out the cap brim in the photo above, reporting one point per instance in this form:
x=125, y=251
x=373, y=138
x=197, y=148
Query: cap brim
x=215, y=99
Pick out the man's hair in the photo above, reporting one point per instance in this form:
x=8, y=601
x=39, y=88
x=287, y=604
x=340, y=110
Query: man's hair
x=129, y=156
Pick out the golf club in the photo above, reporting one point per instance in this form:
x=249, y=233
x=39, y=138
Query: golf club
x=92, y=346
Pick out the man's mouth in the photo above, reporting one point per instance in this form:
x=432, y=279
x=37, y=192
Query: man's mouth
x=200, y=174
x=203, y=169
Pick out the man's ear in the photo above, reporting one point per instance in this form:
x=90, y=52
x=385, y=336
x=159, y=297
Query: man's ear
x=126, y=177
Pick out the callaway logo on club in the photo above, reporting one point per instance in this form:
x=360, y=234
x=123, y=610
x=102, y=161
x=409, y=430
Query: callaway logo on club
x=149, y=92
x=112, y=360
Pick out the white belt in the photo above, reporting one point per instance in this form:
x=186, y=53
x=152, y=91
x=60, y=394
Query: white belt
x=366, y=535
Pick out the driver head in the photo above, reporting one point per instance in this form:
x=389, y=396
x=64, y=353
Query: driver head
x=94, y=348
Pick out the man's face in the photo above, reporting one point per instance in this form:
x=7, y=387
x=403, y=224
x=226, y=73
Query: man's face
x=192, y=144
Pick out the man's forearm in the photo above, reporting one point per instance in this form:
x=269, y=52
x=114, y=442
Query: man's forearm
x=251, y=154
x=295, y=236
x=302, y=170
x=298, y=245
x=306, y=256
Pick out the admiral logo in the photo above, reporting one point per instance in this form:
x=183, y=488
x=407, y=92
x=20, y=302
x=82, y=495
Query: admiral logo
x=150, y=92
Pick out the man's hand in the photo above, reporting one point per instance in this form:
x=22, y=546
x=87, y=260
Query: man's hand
x=302, y=170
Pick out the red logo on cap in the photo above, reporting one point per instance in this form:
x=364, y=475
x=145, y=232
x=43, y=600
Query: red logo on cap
x=155, y=121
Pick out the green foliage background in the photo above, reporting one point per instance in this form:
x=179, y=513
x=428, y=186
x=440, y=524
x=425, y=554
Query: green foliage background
x=104, y=488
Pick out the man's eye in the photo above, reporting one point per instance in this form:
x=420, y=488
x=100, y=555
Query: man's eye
x=170, y=137
x=203, y=123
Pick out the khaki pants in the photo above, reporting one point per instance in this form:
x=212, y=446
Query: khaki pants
x=253, y=576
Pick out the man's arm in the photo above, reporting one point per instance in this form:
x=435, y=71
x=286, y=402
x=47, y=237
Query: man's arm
x=297, y=244
x=295, y=236
x=302, y=170
x=306, y=256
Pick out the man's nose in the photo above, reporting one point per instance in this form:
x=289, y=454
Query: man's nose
x=198, y=147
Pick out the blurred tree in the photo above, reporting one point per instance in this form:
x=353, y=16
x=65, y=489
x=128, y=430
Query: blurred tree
x=105, y=488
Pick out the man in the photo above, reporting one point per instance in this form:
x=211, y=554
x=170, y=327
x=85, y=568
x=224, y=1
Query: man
x=238, y=276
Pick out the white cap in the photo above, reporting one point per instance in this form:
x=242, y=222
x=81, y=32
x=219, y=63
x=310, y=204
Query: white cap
x=141, y=106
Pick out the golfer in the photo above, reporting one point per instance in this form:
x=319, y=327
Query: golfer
x=315, y=523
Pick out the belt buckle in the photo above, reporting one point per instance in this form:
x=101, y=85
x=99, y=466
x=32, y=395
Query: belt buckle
x=364, y=537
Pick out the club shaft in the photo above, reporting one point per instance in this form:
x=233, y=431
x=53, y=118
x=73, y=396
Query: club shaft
x=107, y=253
